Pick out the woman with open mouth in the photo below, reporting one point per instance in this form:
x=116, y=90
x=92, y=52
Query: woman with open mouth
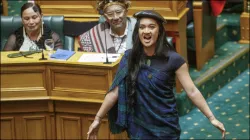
x=141, y=100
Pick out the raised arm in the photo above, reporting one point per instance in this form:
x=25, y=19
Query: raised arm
x=109, y=101
x=196, y=97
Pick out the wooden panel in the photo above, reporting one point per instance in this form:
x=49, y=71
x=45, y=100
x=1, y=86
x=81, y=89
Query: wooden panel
x=53, y=126
x=79, y=78
x=7, y=128
x=181, y=5
x=244, y=28
x=86, y=10
x=19, y=125
x=77, y=107
x=73, y=2
x=23, y=81
x=26, y=76
x=24, y=106
x=86, y=120
x=26, y=126
x=34, y=127
x=103, y=133
x=208, y=49
x=16, y=80
x=166, y=10
x=79, y=82
x=22, y=93
x=68, y=127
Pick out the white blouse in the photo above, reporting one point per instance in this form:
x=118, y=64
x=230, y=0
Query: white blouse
x=28, y=45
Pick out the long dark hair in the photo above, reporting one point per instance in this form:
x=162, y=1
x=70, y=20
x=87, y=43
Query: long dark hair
x=137, y=58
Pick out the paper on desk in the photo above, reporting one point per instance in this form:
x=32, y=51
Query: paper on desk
x=98, y=57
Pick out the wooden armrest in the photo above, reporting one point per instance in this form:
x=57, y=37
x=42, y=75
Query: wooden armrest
x=76, y=44
x=5, y=7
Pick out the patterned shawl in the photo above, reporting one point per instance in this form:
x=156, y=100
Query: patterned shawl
x=97, y=38
x=119, y=112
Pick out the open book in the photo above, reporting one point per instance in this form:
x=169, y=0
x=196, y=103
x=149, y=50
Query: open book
x=63, y=55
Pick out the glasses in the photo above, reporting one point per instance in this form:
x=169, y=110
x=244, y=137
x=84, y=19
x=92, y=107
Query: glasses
x=49, y=45
x=112, y=14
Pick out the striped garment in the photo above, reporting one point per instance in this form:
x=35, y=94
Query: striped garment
x=155, y=115
x=94, y=39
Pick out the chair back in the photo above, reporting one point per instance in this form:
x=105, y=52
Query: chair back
x=55, y=23
x=8, y=25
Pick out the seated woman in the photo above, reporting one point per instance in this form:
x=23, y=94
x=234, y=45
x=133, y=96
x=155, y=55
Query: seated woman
x=33, y=33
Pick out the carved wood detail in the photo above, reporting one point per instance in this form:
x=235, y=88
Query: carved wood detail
x=34, y=127
x=7, y=128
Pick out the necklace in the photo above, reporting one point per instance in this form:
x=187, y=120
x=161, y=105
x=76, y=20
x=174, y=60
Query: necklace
x=148, y=62
x=119, y=44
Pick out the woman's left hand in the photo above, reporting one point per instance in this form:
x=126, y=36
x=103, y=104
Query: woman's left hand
x=218, y=125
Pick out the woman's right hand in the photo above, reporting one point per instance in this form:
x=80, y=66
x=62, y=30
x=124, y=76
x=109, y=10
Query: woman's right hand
x=93, y=129
x=109, y=101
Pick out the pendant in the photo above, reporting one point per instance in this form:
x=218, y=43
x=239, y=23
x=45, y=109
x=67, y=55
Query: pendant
x=148, y=62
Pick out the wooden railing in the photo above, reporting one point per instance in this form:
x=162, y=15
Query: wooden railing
x=244, y=23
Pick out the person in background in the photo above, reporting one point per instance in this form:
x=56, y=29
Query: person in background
x=33, y=33
x=217, y=6
x=113, y=35
x=141, y=99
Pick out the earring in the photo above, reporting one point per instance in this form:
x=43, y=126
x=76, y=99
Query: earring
x=42, y=28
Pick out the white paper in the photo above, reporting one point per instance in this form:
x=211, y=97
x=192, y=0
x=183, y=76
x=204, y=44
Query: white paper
x=98, y=57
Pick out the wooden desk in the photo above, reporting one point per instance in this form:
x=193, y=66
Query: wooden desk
x=52, y=99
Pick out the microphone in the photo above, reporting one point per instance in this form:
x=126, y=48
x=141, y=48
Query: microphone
x=106, y=48
x=43, y=58
x=107, y=59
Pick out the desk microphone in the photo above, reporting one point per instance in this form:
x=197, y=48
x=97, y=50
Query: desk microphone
x=106, y=48
x=43, y=58
x=107, y=59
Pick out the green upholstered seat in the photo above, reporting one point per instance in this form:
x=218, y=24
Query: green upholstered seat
x=170, y=41
x=190, y=29
x=10, y=23
x=190, y=36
